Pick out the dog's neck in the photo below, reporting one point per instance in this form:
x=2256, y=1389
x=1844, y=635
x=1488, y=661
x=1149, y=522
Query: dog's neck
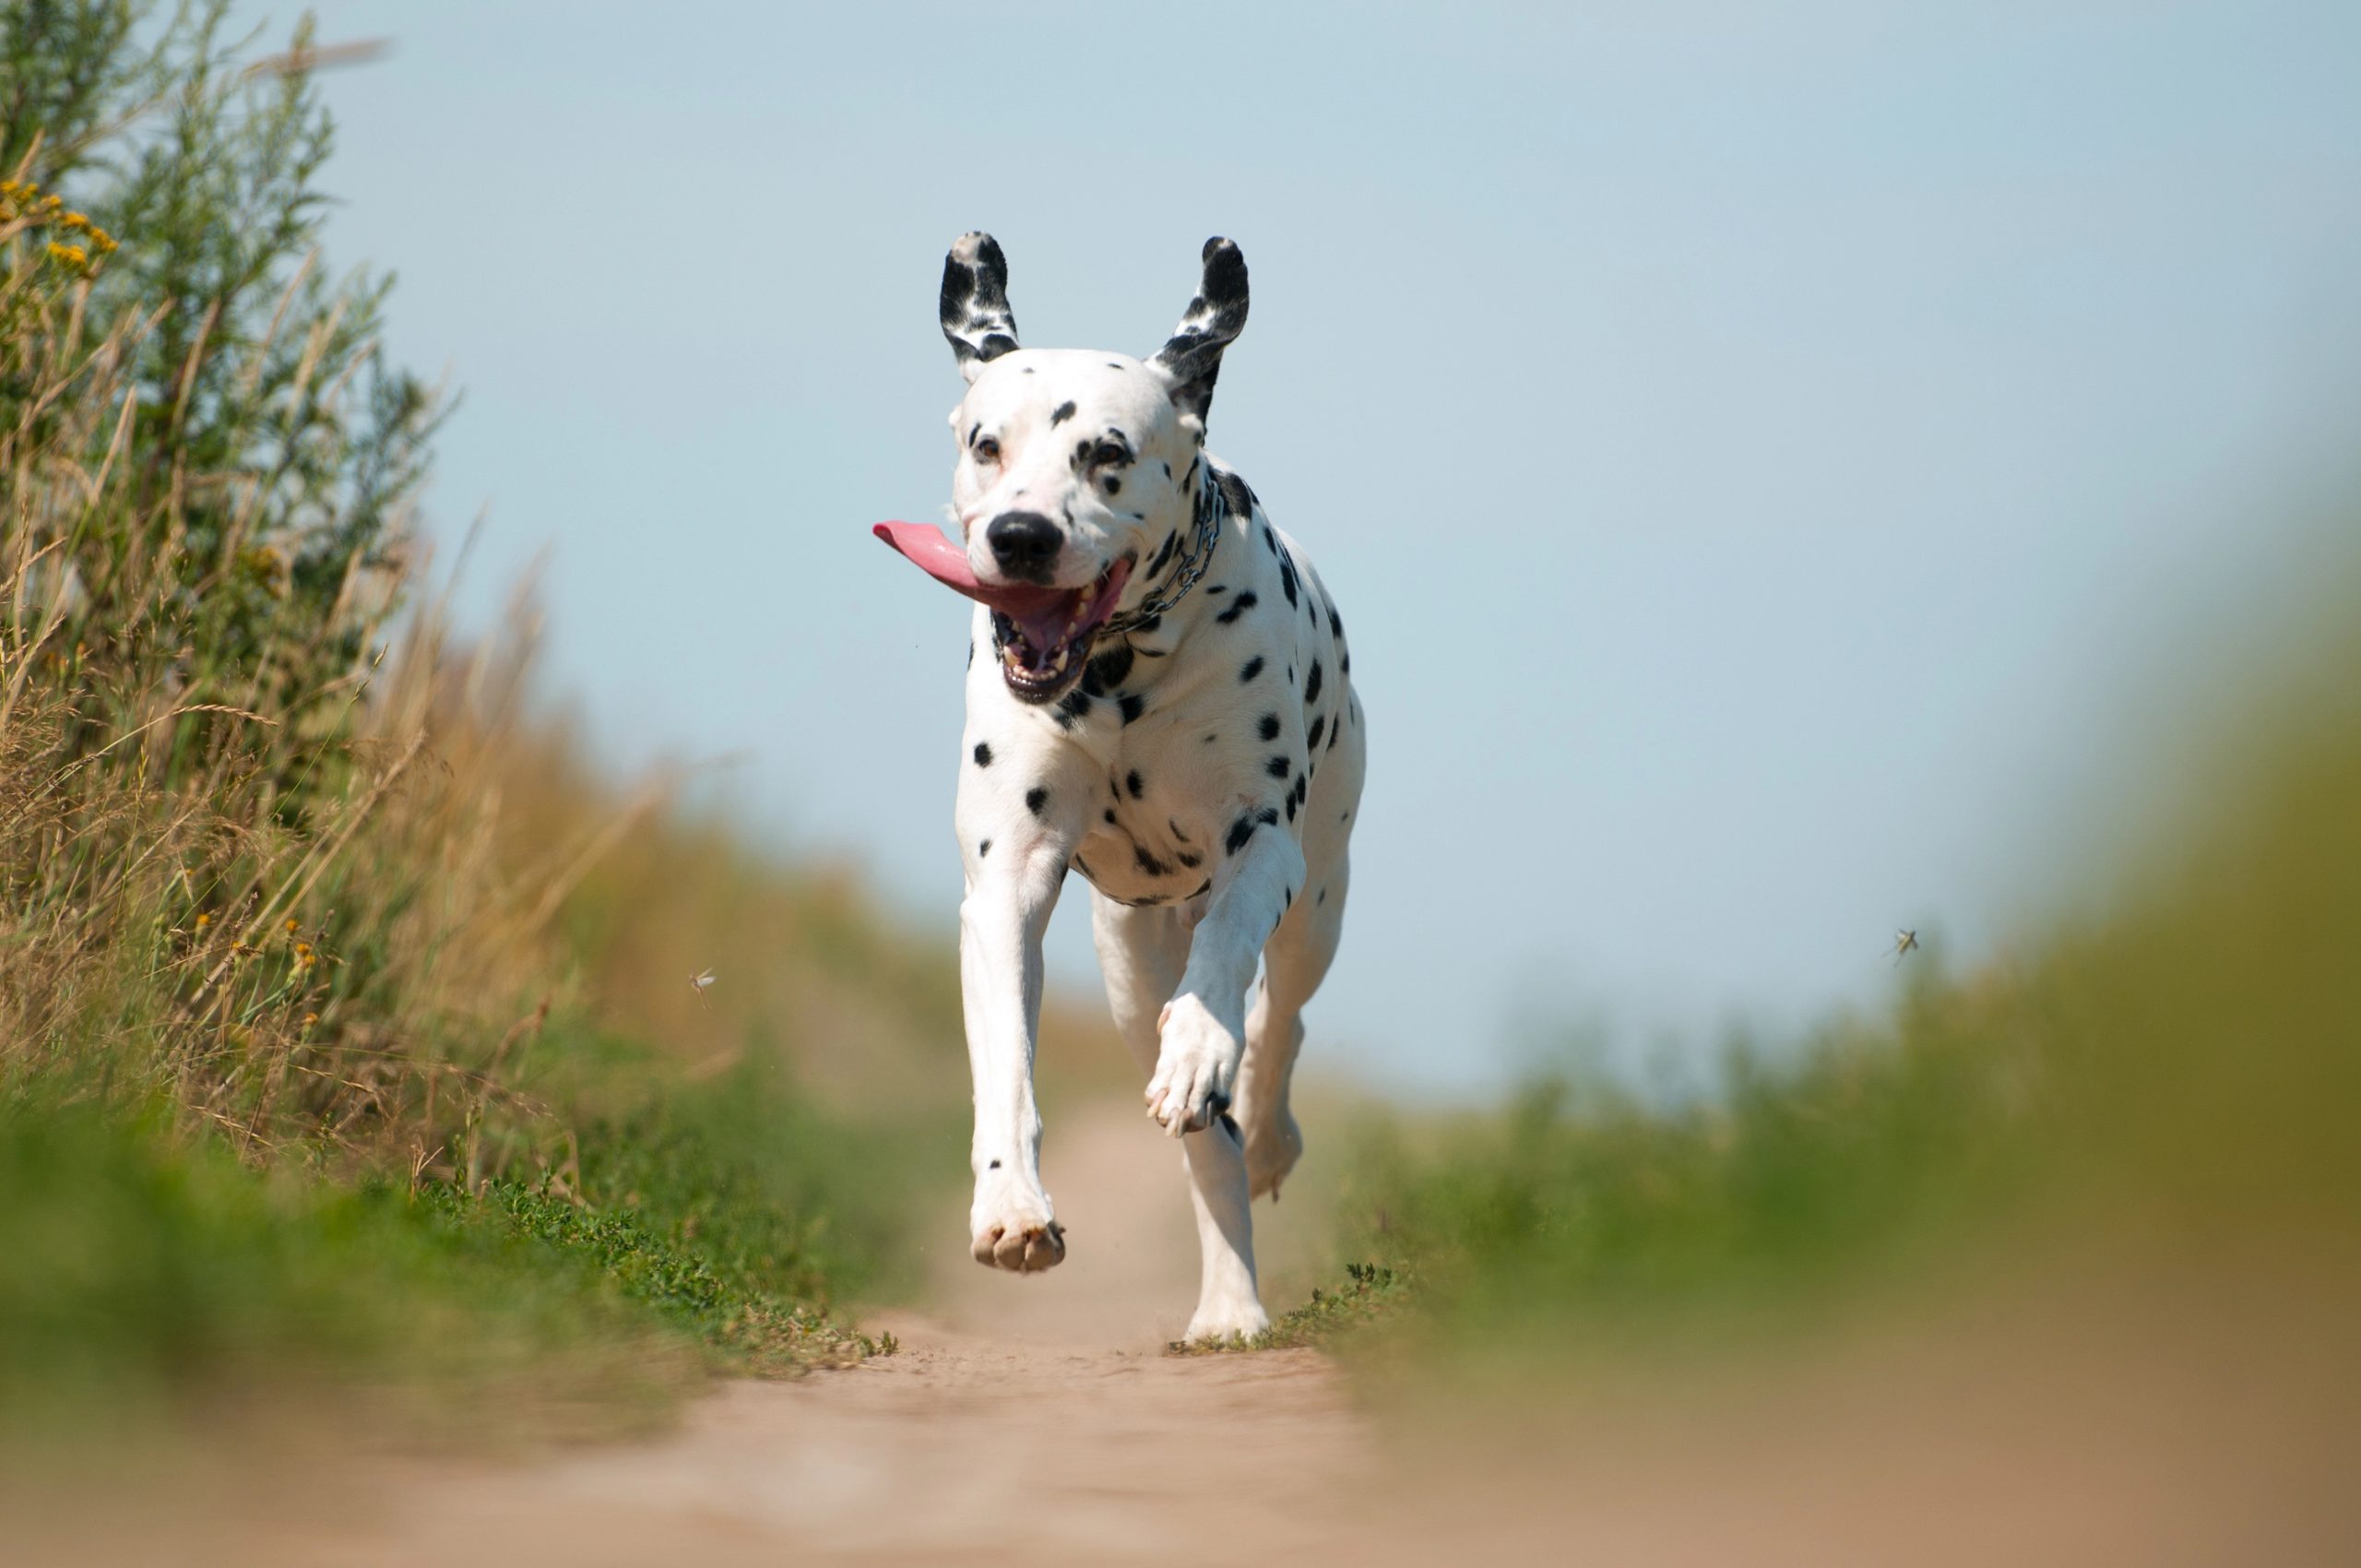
x=1161, y=599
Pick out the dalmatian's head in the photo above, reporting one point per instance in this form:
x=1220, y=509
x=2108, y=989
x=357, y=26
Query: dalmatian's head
x=1075, y=466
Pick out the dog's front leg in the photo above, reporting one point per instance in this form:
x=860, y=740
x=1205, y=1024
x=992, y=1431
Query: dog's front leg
x=1201, y=1040
x=1015, y=863
x=1201, y=1034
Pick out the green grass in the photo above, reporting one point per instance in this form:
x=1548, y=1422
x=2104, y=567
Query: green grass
x=150, y=1272
x=2174, y=1083
x=150, y=1275
x=758, y=1180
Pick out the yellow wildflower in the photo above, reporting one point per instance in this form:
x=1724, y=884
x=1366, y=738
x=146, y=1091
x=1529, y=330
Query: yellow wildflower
x=310, y=1019
x=203, y=921
x=291, y=924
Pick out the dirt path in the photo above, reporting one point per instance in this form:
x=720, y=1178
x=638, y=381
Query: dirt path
x=1036, y=1420
x=1031, y=1419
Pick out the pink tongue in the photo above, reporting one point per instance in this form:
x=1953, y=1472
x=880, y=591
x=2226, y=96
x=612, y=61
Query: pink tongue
x=1041, y=612
x=947, y=563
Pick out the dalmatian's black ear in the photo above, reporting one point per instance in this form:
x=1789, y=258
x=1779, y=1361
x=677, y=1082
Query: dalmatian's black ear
x=975, y=316
x=1191, y=357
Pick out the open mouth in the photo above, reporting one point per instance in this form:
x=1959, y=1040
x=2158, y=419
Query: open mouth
x=1044, y=633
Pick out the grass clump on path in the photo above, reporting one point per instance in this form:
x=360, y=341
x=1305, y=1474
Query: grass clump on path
x=1372, y=1294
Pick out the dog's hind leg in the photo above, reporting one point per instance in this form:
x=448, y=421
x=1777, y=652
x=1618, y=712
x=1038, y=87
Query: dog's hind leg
x=1296, y=960
x=1294, y=963
x=1143, y=954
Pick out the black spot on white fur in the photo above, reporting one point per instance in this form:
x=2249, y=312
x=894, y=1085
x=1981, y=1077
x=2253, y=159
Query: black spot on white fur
x=1108, y=670
x=1234, y=492
x=1164, y=555
x=1037, y=799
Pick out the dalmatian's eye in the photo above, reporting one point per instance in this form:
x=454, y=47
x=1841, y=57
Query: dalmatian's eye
x=1109, y=452
x=988, y=450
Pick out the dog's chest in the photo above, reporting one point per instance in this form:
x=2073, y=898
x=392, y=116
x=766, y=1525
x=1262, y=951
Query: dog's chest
x=1151, y=836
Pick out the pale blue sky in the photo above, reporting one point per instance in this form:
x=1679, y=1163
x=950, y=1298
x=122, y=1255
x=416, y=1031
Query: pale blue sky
x=1758, y=450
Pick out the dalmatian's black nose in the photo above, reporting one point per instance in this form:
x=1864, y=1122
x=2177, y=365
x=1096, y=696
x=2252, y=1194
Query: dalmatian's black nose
x=1025, y=544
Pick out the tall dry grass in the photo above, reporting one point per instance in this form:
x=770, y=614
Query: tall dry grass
x=274, y=847
x=271, y=888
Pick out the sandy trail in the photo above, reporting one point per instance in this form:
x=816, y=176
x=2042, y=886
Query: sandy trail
x=1031, y=1419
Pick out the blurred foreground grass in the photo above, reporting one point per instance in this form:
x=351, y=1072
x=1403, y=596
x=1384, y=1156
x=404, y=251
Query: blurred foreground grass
x=154, y=1278
x=2059, y=1261
x=2166, y=1092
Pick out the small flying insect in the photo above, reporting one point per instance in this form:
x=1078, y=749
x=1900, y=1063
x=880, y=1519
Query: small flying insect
x=699, y=985
x=1904, y=942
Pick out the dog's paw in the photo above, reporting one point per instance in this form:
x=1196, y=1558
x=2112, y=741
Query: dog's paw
x=1221, y=1322
x=1274, y=1144
x=1014, y=1230
x=1197, y=1065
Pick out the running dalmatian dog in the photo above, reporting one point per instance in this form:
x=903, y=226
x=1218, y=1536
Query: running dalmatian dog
x=1163, y=703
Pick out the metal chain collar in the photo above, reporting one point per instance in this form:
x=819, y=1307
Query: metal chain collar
x=1191, y=566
